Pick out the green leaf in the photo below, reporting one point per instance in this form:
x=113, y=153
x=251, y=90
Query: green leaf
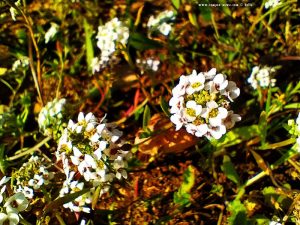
x=262, y=124
x=3, y=162
x=88, y=44
x=140, y=42
x=176, y=3
x=276, y=200
x=238, y=213
x=164, y=106
x=225, y=7
x=146, y=117
x=236, y=136
x=182, y=196
x=60, y=201
x=229, y=170
x=292, y=106
x=205, y=11
x=96, y=197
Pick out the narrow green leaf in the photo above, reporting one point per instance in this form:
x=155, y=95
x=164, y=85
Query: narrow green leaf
x=164, y=106
x=60, y=201
x=229, y=170
x=141, y=42
x=292, y=106
x=96, y=197
x=88, y=44
x=146, y=117
x=3, y=162
x=262, y=124
x=260, y=162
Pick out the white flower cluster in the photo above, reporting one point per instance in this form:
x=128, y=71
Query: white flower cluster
x=52, y=31
x=201, y=102
x=262, y=77
x=11, y=206
x=147, y=64
x=162, y=22
x=50, y=118
x=32, y=176
x=23, y=61
x=295, y=130
x=109, y=36
x=93, y=149
x=271, y=3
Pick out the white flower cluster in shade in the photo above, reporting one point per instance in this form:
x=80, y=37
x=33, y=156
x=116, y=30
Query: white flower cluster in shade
x=32, y=176
x=50, y=118
x=147, y=64
x=23, y=61
x=51, y=32
x=295, y=131
x=274, y=223
x=11, y=206
x=201, y=103
x=110, y=36
x=161, y=22
x=271, y=3
x=92, y=150
x=262, y=77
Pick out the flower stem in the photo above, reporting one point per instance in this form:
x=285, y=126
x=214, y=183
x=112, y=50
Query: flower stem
x=30, y=150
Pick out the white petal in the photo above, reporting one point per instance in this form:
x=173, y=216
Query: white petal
x=100, y=128
x=191, y=104
x=222, y=112
x=77, y=152
x=80, y=117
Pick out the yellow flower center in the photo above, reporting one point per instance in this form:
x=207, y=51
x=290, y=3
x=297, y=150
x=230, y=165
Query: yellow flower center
x=196, y=85
x=191, y=112
x=213, y=113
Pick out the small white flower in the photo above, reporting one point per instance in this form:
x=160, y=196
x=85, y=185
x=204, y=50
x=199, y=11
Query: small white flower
x=272, y=3
x=16, y=202
x=218, y=83
x=180, y=89
x=50, y=34
x=164, y=28
x=210, y=74
x=198, y=130
x=28, y=192
x=179, y=120
x=192, y=110
x=231, y=119
x=231, y=91
x=217, y=132
x=22, y=61
x=176, y=104
x=11, y=218
x=196, y=82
